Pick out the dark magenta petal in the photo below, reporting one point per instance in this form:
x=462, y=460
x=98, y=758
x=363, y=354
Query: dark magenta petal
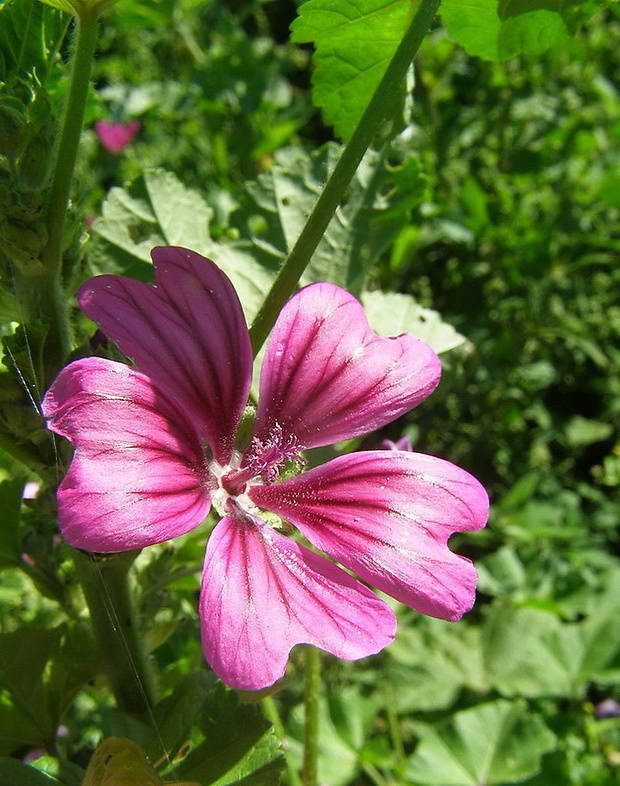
x=187, y=332
x=262, y=594
x=387, y=516
x=327, y=376
x=137, y=476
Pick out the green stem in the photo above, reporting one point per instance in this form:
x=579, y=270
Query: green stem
x=53, y=312
x=105, y=583
x=270, y=709
x=310, y=769
x=379, y=108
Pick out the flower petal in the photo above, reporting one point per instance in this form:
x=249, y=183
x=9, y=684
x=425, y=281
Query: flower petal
x=137, y=476
x=263, y=593
x=187, y=332
x=327, y=377
x=387, y=516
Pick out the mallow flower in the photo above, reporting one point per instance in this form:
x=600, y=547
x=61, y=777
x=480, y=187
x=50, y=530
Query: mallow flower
x=115, y=136
x=156, y=447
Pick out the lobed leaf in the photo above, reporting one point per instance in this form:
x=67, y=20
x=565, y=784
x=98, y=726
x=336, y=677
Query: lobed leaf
x=495, y=743
x=379, y=199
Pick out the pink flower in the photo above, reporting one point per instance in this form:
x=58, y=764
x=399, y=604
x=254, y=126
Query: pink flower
x=116, y=136
x=404, y=443
x=155, y=450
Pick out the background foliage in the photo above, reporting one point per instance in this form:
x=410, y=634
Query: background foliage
x=491, y=198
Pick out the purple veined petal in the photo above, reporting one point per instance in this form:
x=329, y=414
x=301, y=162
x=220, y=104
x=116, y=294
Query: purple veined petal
x=262, y=594
x=138, y=475
x=387, y=516
x=327, y=376
x=187, y=331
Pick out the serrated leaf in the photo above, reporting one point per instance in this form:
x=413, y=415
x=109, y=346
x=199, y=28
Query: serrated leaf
x=354, y=42
x=495, y=743
x=159, y=210
x=393, y=313
x=239, y=745
x=501, y=29
x=379, y=198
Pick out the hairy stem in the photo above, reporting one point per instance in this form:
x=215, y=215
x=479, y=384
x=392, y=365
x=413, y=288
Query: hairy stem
x=105, y=583
x=380, y=107
x=52, y=306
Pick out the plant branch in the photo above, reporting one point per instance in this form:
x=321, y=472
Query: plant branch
x=379, y=108
x=105, y=583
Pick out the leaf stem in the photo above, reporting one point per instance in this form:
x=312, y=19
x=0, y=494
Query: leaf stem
x=310, y=770
x=105, y=583
x=379, y=108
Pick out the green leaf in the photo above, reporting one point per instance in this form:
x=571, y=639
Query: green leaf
x=41, y=670
x=431, y=661
x=239, y=745
x=477, y=26
x=176, y=715
x=354, y=43
x=378, y=201
x=159, y=210
x=10, y=505
x=581, y=431
x=30, y=34
x=495, y=743
x=532, y=653
x=15, y=773
x=500, y=29
x=345, y=723
x=392, y=313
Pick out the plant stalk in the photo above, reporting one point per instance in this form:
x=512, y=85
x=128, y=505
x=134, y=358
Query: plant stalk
x=310, y=771
x=49, y=289
x=105, y=583
x=379, y=108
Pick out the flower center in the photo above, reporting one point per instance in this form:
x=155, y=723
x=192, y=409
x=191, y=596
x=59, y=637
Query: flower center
x=263, y=462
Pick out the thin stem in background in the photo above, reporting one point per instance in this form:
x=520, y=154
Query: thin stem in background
x=310, y=771
x=379, y=108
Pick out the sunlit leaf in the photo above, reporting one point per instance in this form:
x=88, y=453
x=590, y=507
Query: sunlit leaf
x=15, y=773
x=392, y=313
x=500, y=29
x=354, y=42
x=495, y=743
x=118, y=761
x=159, y=210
